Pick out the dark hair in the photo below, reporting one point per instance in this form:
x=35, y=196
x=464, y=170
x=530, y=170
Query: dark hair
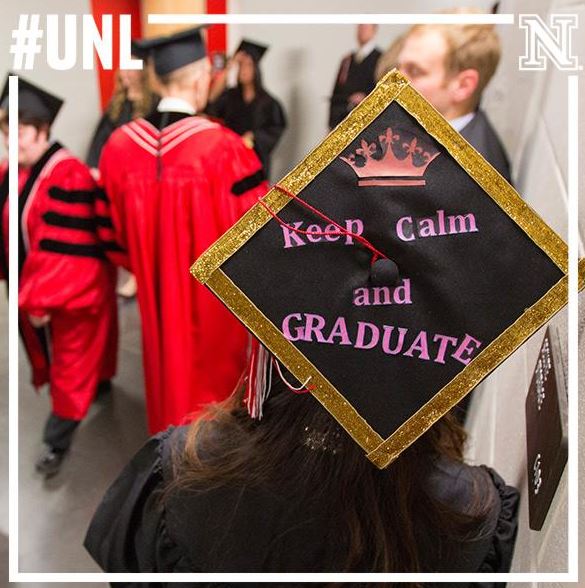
x=297, y=442
x=27, y=119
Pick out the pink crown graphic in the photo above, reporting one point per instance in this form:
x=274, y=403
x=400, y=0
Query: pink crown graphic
x=398, y=160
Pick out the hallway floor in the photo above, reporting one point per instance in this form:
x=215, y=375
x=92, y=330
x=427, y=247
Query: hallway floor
x=54, y=513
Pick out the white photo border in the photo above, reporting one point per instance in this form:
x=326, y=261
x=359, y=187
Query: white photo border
x=573, y=241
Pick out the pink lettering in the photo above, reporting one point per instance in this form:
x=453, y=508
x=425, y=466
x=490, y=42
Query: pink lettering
x=290, y=236
x=388, y=335
x=355, y=226
x=339, y=330
x=332, y=229
x=421, y=345
x=361, y=334
x=314, y=324
x=314, y=229
x=444, y=341
x=466, y=349
x=286, y=327
x=400, y=229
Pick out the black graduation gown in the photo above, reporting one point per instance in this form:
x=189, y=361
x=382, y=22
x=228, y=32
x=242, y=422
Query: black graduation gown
x=480, y=133
x=244, y=529
x=352, y=77
x=264, y=116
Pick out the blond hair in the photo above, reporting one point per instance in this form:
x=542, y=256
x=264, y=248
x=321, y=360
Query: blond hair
x=140, y=107
x=469, y=46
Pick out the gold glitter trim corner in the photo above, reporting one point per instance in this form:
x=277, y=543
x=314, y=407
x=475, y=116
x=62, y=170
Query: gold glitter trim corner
x=301, y=368
x=492, y=356
x=492, y=183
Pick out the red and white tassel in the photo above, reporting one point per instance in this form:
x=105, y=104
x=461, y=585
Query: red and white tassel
x=259, y=379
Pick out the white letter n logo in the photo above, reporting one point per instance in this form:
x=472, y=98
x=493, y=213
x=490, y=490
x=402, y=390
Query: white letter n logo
x=543, y=42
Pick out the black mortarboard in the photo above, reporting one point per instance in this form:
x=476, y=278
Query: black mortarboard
x=175, y=51
x=389, y=349
x=33, y=101
x=254, y=50
x=138, y=49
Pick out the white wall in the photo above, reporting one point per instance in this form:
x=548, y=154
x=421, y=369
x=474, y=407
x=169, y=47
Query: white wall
x=530, y=111
x=76, y=122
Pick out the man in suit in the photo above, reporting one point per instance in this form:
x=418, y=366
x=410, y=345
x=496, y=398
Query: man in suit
x=356, y=76
x=450, y=65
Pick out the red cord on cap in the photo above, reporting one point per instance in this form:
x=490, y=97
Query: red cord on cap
x=341, y=231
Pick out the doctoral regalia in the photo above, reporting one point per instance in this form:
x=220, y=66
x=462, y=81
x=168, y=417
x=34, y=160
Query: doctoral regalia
x=63, y=273
x=175, y=183
x=106, y=126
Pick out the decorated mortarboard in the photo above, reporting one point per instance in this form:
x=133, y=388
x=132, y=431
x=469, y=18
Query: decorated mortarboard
x=172, y=52
x=391, y=271
x=33, y=101
x=254, y=50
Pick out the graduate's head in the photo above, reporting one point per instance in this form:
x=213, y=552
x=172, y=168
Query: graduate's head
x=297, y=445
x=365, y=33
x=37, y=109
x=249, y=73
x=450, y=65
x=33, y=139
x=181, y=65
x=190, y=82
x=248, y=56
x=134, y=85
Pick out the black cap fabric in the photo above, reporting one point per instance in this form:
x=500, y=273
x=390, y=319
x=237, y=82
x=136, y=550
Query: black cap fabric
x=388, y=347
x=138, y=49
x=174, y=51
x=254, y=50
x=33, y=101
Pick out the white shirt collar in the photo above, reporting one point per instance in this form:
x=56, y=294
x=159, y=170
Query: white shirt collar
x=462, y=121
x=171, y=104
x=365, y=50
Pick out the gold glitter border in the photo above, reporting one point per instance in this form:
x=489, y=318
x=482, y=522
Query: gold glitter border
x=492, y=356
x=393, y=87
x=492, y=183
x=301, y=368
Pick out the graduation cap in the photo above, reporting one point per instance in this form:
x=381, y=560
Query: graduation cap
x=391, y=271
x=33, y=101
x=174, y=51
x=138, y=49
x=254, y=50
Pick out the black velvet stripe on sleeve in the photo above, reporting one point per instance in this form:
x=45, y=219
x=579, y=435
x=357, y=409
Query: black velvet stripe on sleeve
x=249, y=182
x=104, y=221
x=73, y=196
x=69, y=222
x=101, y=195
x=111, y=246
x=75, y=249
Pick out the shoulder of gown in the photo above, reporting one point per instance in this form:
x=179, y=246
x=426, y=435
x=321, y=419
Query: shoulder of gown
x=465, y=488
x=235, y=529
x=128, y=531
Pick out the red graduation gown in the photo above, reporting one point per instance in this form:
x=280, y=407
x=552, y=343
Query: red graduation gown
x=63, y=273
x=173, y=193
